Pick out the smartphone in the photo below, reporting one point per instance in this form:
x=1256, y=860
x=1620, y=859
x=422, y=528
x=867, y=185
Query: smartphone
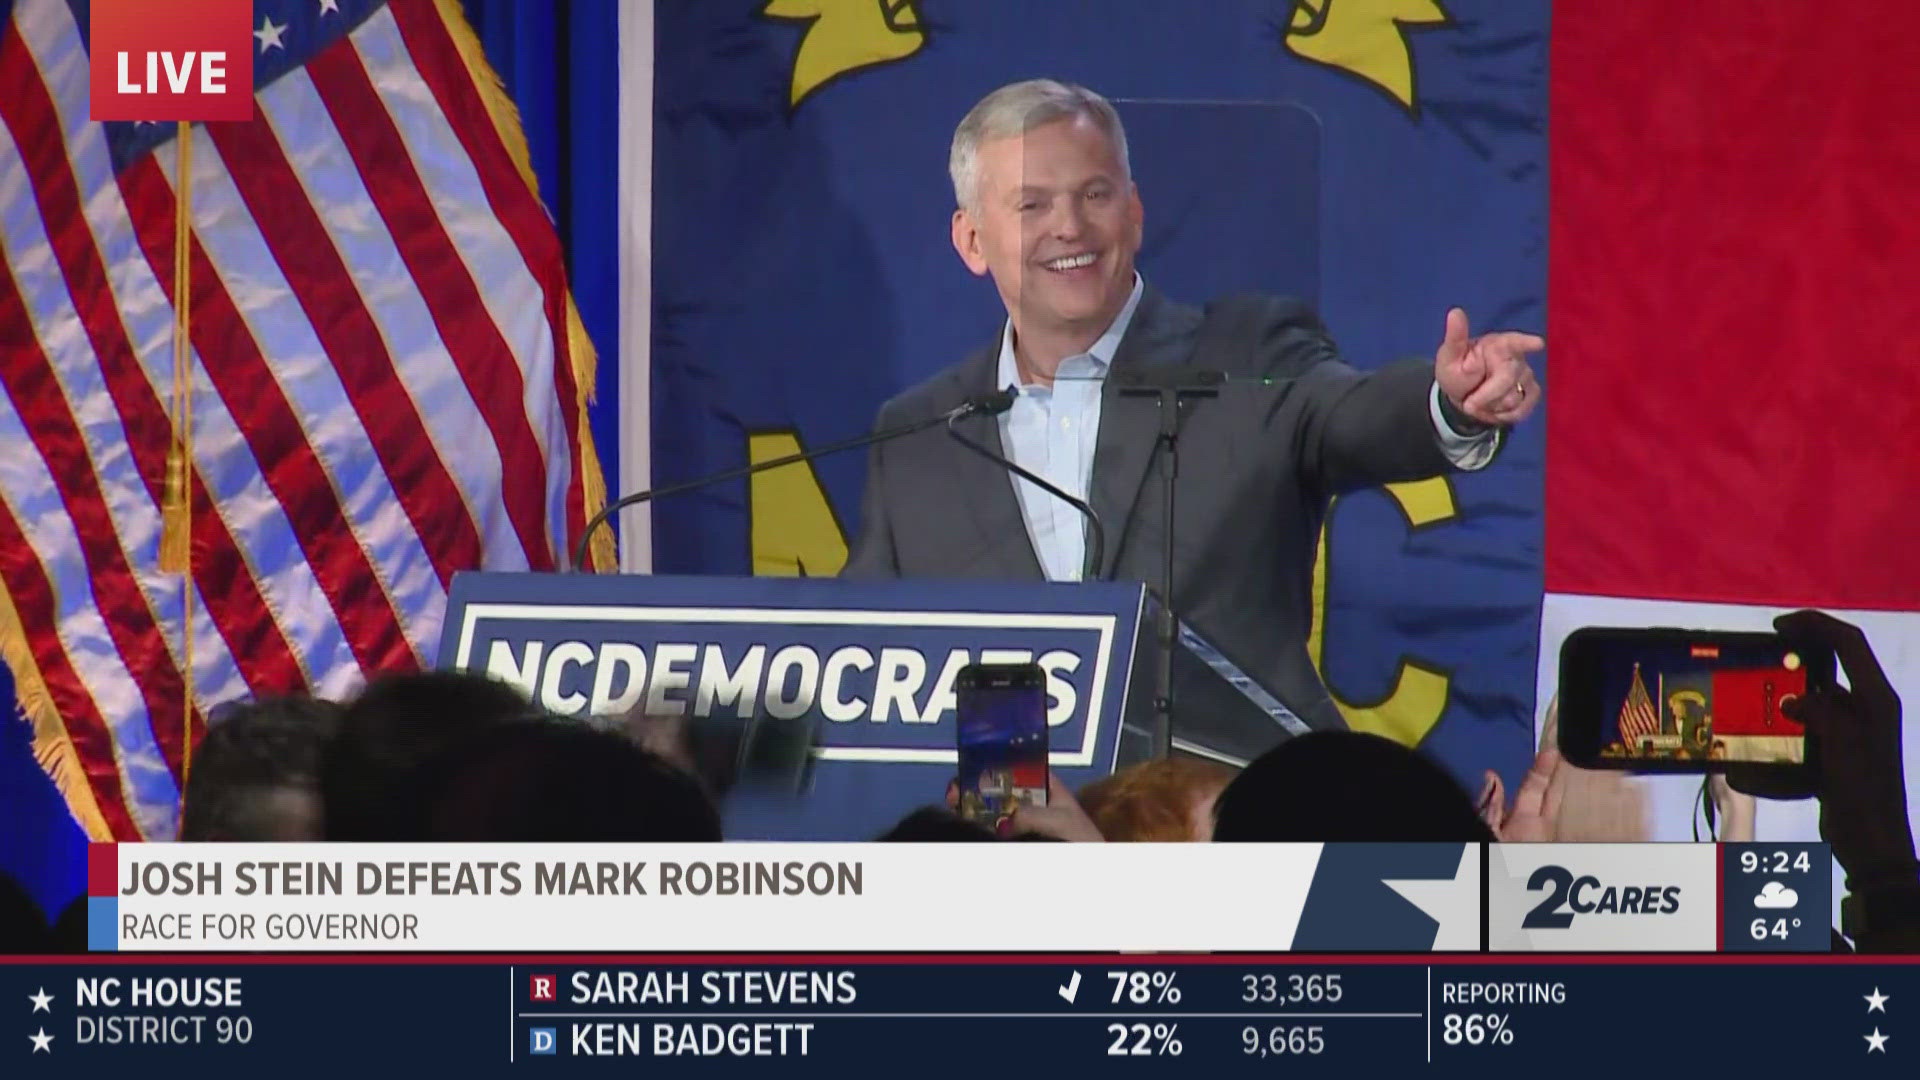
x=1687, y=701
x=1002, y=739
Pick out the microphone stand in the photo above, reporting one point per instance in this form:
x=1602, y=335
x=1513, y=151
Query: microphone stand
x=986, y=404
x=1171, y=386
x=1097, y=543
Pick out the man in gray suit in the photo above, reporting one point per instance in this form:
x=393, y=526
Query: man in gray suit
x=1047, y=207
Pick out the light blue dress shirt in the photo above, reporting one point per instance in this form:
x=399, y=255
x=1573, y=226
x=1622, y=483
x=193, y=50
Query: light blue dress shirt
x=1053, y=430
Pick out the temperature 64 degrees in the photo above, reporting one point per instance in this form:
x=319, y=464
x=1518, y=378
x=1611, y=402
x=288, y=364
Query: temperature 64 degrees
x=1762, y=929
x=1477, y=1029
x=1144, y=988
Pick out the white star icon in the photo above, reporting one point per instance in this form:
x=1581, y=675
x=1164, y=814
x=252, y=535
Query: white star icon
x=41, y=1041
x=269, y=35
x=41, y=1000
x=1877, y=1001
x=1876, y=1041
x=1452, y=902
x=329, y=7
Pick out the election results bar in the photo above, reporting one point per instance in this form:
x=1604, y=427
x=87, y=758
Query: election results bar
x=768, y=1016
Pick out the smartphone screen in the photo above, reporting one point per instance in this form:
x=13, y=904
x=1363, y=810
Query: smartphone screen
x=1682, y=700
x=1002, y=734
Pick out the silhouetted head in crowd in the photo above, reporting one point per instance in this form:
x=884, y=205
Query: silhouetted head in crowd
x=256, y=772
x=558, y=780
x=1345, y=786
x=68, y=933
x=23, y=928
x=397, y=725
x=1165, y=800
x=936, y=824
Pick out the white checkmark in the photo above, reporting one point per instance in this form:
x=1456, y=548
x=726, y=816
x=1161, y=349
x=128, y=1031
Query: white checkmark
x=1072, y=989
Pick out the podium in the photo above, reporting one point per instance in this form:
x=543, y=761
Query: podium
x=863, y=670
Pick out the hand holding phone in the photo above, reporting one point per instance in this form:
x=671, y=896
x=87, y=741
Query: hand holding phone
x=1689, y=701
x=1861, y=779
x=1060, y=818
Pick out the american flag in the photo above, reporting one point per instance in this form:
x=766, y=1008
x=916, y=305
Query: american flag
x=1638, y=717
x=389, y=380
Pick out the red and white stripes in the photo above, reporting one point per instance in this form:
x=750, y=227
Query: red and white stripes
x=385, y=395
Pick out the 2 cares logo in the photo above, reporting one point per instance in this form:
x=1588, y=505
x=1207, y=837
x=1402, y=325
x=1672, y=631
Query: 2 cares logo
x=1588, y=895
x=180, y=60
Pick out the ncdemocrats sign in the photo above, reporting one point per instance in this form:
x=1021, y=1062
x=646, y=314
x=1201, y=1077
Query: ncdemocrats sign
x=868, y=667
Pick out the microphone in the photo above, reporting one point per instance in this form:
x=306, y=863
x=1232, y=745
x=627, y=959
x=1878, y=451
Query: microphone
x=993, y=405
x=985, y=404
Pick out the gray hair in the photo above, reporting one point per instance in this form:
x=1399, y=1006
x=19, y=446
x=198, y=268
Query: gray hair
x=1016, y=109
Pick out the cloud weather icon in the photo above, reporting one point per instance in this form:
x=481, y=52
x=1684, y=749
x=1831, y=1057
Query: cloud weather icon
x=1775, y=895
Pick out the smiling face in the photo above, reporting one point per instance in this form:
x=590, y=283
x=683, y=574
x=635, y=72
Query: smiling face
x=1056, y=222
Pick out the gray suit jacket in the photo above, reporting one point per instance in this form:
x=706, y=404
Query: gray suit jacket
x=1258, y=465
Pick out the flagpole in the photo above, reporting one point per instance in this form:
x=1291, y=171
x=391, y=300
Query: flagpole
x=176, y=509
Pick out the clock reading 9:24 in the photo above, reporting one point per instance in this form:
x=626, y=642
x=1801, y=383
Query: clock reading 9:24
x=1775, y=862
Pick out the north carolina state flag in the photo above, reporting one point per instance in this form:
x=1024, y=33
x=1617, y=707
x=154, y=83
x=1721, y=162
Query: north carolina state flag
x=1735, y=377
x=1747, y=702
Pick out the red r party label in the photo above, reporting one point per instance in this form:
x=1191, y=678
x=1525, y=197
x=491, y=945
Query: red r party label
x=171, y=60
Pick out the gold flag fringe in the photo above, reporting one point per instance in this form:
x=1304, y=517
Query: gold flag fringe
x=506, y=122
x=52, y=746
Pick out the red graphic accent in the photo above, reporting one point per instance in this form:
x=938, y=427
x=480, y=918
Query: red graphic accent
x=1720, y=898
x=542, y=987
x=1450, y=961
x=1028, y=774
x=103, y=870
x=1747, y=702
x=182, y=60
